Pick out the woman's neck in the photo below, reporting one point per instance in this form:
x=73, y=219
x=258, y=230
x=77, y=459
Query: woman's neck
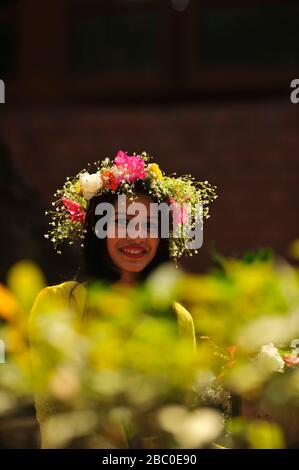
x=127, y=278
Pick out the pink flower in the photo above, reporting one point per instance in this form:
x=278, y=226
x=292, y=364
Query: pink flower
x=180, y=212
x=77, y=214
x=131, y=167
x=291, y=361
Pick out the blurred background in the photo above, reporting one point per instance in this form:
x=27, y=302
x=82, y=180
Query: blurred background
x=203, y=86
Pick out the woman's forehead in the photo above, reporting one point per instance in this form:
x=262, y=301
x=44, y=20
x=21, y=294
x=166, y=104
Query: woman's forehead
x=121, y=204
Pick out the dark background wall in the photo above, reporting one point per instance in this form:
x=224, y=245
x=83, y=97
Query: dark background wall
x=205, y=91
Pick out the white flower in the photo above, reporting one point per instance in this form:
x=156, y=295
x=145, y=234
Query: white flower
x=270, y=359
x=90, y=184
x=191, y=428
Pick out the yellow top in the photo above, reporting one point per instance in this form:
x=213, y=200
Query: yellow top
x=72, y=295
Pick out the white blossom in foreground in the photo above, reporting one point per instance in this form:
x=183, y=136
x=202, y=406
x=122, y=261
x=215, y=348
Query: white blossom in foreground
x=269, y=359
x=191, y=429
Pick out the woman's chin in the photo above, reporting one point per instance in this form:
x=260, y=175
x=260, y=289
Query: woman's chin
x=133, y=267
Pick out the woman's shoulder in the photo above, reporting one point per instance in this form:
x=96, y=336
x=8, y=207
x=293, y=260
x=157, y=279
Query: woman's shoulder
x=62, y=287
x=58, y=295
x=54, y=302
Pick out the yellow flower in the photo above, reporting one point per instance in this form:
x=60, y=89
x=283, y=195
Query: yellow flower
x=154, y=169
x=78, y=188
x=8, y=304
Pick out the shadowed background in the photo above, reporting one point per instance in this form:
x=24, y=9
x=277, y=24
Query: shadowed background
x=205, y=91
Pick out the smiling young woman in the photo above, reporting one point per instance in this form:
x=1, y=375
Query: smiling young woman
x=118, y=259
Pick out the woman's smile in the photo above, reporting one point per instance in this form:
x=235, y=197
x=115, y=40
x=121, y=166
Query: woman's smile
x=132, y=254
x=133, y=251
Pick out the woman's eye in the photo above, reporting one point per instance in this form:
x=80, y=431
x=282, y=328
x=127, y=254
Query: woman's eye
x=145, y=225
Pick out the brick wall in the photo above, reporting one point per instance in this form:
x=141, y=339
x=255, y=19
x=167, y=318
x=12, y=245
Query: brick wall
x=249, y=150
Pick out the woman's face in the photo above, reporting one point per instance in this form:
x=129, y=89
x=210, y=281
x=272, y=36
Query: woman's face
x=132, y=254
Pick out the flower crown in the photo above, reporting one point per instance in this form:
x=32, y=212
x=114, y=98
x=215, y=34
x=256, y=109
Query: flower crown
x=118, y=176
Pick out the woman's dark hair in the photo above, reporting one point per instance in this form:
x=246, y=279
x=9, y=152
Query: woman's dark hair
x=97, y=264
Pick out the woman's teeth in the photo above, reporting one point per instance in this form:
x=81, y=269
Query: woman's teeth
x=132, y=251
